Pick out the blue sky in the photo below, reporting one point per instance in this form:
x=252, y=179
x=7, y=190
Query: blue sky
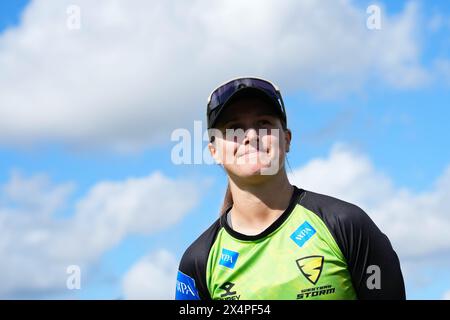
x=379, y=95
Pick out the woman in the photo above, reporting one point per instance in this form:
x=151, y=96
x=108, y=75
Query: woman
x=272, y=239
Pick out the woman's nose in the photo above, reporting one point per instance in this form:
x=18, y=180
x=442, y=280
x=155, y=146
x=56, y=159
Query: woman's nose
x=250, y=135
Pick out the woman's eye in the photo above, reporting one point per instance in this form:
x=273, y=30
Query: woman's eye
x=234, y=126
x=264, y=122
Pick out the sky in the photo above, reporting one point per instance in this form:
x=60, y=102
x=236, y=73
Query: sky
x=91, y=94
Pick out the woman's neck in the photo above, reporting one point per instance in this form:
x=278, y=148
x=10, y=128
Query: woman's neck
x=256, y=206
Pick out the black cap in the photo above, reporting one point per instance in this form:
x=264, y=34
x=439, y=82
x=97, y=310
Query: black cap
x=247, y=89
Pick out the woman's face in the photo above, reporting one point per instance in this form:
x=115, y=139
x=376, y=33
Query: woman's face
x=250, y=140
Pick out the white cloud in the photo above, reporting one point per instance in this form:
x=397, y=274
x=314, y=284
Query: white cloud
x=436, y=22
x=152, y=277
x=35, y=194
x=416, y=223
x=119, y=80
x=442, y=70
x=446, y=295
x=36, y=247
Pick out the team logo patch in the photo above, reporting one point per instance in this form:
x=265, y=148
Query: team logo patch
x=228, y=258
x=186, y=289
x=311, y=267
x=303, y=233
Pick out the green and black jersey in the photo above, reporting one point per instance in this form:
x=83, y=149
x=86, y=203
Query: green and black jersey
x=319, y=248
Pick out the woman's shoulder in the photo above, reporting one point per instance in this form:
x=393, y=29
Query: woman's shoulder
x=192, y=267
x=334, y=209
x=199, y=248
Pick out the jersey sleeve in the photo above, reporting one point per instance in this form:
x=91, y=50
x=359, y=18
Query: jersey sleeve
x=191, y=278
x=372, y=262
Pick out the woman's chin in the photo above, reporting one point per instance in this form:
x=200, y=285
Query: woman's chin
x=251, y=170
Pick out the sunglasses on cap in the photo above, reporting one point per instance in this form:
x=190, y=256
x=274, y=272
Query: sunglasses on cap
x=222, y=95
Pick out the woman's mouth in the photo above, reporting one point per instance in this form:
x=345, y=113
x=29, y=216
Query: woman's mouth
x=252, y=152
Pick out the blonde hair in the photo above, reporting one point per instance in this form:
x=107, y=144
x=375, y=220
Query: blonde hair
x=227, y=200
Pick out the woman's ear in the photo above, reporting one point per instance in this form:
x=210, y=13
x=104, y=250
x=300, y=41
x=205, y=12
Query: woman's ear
x=214, y=153
x=288, y=138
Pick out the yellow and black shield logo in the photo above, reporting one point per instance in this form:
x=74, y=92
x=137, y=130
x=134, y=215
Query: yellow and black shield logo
x=311, y=267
